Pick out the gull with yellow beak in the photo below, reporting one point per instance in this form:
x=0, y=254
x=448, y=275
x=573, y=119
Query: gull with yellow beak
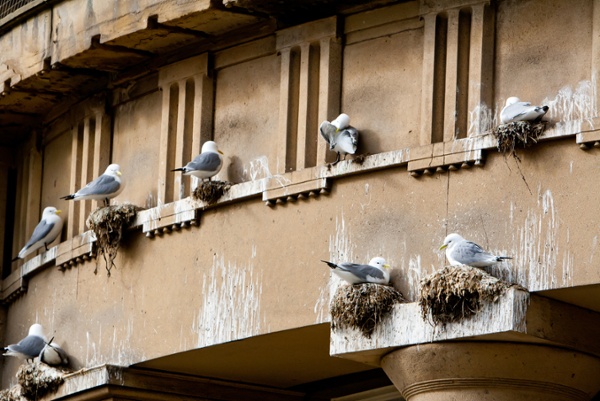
x=47, y=230
x=377, y=271
x=105, y=187
x=459, y=251
x=207, y=164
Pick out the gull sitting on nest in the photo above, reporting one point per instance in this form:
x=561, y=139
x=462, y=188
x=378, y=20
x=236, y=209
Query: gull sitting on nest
x=459, y=251
x=377, y=271
x=516, y=110
x=207, y=164
x=30, y=346
x=105, y=187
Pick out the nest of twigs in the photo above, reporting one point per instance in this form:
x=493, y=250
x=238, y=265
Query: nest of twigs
x=211, y=191
x=108, y=224
x=457, y=292
x=518, y=134
x=35, y=380
x=363, y=306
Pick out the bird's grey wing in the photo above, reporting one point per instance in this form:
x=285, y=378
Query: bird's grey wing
x=103, y=185
x=328, y=131
x=518, y=109
x=41, y=230
x=352, y=134
x=469, y=252
x=204, y=162
x=362, y=271
x=30, y=345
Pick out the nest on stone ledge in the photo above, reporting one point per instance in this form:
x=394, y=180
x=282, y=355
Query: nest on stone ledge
x=457, y=292
x=35, y=380
x=211, y=191
x=518, y=134
x=108, y=224
x=363, y=306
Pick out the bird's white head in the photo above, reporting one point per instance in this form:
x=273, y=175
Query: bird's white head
x=210, y=146
x=49, y=211
x=450, y=240
x=512, y=100
x=341, y=122
x=113, y=169
x=379, y=262
x=36, y=329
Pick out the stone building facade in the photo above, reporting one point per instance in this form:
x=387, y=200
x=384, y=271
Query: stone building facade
x=230, y=301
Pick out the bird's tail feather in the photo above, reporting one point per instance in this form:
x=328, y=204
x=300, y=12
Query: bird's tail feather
x=503, y=257
x=15, y=259
x=68, y=197
x=178, y=169
x=332, y=265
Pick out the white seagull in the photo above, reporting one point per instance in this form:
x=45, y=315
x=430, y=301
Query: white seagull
x=105, y=187
x=29, y=347
x=516, y=110
x=341, y=137
x=53, y=355
x=459, y=251
x=47, y=230
x=207, y=164
x=377, y=271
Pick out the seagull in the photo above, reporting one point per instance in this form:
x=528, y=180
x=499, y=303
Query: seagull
x=341, y=137
x=516, y=110
x=52, y=354
x=459, y=251
x=207, y=164
x=377, y=271
x=105, y=187
x=30, y=346
x=47, y=230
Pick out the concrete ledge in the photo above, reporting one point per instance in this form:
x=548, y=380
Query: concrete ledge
x=516, y=317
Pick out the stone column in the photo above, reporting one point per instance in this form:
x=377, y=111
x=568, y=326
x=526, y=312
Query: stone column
x=499, y=371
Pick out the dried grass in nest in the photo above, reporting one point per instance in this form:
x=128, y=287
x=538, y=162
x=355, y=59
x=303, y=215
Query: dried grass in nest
x=211, y=191
x=518, y=134
x=363, y=306
x=108, y=224
x=35, y=380
x=457, y=292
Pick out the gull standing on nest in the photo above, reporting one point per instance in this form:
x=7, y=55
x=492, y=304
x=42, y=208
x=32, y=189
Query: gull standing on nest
x=377, y=271
x=459, y=251
x=341, y=137
x=207, y=164
x=516, y=110
x=30, y=346
x=47, y=230
x=105, y=187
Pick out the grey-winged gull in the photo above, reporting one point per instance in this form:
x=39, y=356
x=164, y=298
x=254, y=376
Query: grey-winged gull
x=377, y=271
x=516, y=110
x=47, y=230
x=459, y=251
x=105, y=187
x=207, y=164
x=29, y=347
x=341, y=137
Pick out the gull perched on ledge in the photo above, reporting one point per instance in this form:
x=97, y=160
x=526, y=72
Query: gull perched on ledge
x=341, y=137
x=377, y=271
x=516, y=110
x=30, y=346
x=47, y=230
x=207, y=164
x=459, y=251
x=105, y=187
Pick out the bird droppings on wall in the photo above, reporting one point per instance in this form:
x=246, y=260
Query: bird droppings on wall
x=481, y=120
x=211, y=191
x=108, y=224
x=34, y=381
x=231, y=303
x=571, y=107
x=363, y=307
x=458, y=292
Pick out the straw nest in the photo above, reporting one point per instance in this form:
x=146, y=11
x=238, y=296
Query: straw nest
x=519, y=134
x=108, y=224
x=35, y=380
x=457, y=292
x=211, y=191
x=363, y=306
